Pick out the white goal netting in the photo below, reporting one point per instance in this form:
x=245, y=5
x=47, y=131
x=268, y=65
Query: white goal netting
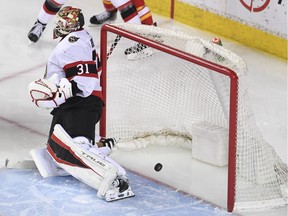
x=155, y=94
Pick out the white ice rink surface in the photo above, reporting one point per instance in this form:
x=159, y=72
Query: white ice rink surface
x=23, y=126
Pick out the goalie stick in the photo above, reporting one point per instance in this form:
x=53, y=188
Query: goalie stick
x=113, y=45
x=144, y=52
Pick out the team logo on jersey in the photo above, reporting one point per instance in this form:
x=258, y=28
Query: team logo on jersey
x=73, y=39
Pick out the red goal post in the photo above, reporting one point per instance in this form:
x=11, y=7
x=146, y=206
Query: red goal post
x=193, y=59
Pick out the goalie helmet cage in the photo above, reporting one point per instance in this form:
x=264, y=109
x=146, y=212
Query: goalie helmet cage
x=206, y=83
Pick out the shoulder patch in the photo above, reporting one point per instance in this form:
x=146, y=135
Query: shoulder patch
x=73, y=39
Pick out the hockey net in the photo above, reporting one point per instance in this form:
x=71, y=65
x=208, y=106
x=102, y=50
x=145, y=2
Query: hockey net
x=179, y=89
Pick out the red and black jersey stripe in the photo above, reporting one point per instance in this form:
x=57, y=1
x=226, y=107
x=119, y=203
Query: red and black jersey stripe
x=128, y=11
x=81, y=68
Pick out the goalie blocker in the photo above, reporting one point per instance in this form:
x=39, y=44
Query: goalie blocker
x=88, y=165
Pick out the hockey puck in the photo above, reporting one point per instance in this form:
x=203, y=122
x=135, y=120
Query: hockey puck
x=158, y=167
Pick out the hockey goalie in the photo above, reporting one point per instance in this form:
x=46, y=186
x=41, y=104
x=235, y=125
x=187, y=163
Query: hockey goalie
x=71, y=88
x=88, y=163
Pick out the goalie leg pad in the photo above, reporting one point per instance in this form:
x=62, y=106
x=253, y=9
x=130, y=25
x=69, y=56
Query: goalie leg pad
x=94, y=177
x=45, y=164
x=97, y=171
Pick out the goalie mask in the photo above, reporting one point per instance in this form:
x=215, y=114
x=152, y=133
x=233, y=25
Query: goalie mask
x=68, y=19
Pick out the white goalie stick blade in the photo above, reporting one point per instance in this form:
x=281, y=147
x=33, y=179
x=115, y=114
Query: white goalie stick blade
x=113, y=45
x=45, y=164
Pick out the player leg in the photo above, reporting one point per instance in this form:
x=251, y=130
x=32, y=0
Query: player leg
x=79, y=121
x=47, y=166
x=78, y=156
x=126, y=8
x=139, y=50
x=110, y=14
x=89, y=165
x=48, y=10
x=68, y=118
x=143, y=12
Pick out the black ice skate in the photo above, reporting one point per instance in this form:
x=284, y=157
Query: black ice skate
x=104, y=17
x=138, y=47
x=138, y=51
x=36, y=31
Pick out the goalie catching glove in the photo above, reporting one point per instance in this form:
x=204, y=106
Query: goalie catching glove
x=45, y=94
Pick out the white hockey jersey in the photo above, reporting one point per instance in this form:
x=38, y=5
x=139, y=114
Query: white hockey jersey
x=75, y=58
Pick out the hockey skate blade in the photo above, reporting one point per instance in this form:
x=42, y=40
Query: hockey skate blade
x=111, y=196
x=140, y=55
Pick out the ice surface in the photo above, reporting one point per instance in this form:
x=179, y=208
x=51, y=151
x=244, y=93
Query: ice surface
x=26, y=193
x=23, y=126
